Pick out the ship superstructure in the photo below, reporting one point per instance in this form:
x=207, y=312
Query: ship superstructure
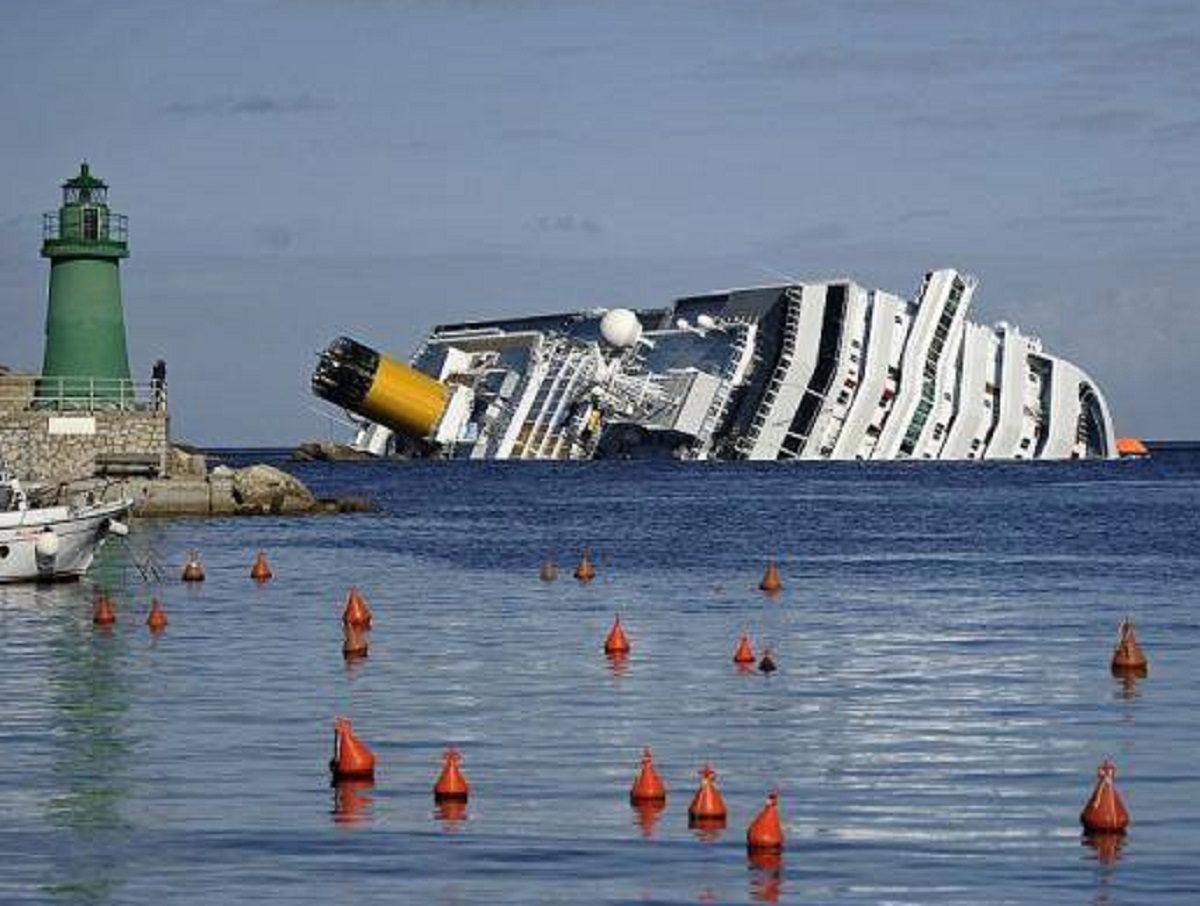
x=824, y=370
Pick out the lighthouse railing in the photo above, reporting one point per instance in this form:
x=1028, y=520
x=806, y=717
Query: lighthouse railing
x=110, y=227
x=71, y=393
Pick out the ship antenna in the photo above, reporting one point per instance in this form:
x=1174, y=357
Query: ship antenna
x=775, y=272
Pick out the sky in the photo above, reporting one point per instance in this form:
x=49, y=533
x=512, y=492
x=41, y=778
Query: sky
x=298, y=169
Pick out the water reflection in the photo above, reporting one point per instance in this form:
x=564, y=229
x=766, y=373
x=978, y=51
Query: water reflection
x=91, y=753
x=352, y=801
x=617, y=664
x=355, y=665
x=707, y=830
x=646, y=815
x=451, y=813
x=766, y=876
x=1106, y=846
x=1126, y=685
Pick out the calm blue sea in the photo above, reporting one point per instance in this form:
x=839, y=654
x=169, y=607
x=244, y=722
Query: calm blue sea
x=942, y=702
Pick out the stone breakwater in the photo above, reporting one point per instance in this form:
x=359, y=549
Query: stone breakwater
x=58, y=446
x=257, y=490
x=113, y=454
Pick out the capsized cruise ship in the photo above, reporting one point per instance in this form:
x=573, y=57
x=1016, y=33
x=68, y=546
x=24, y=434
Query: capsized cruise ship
x=828, y=370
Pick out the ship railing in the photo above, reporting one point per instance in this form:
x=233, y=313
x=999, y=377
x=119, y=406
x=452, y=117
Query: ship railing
x=791, y=329
x=81, y=394
x=720, y=399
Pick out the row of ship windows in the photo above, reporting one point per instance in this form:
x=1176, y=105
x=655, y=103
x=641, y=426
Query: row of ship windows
x=925, y=406
x=929, y=388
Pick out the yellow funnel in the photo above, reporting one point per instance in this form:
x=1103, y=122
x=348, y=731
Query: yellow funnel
x=404, y=399
x=374, y=386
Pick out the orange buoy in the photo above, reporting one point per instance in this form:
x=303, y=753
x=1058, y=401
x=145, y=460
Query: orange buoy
x=192, y=570
x=1131, y=446
x=767, y=663
x=707, y=805
x=617, y=643
x=354, y=645
x=647, y=786
x=357, y=613
x=103, y=612
x=1128, y=658
x=352, y=760
x=771, y=583
x=549, y=571
x=260, y=571
x=156, y=620
x=744, y=654
x=1104, y=812
x=451, y=785
x=765, y=831
x=585, y=572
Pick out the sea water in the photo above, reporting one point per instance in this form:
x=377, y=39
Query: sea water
x=942, y=703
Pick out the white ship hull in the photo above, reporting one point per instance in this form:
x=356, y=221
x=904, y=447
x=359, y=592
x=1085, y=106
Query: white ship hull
x=825, y=370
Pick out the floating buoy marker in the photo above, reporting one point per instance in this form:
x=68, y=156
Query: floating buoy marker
x=357, y=613
x=617, y=643
x=1104, y=812
x=352, y=760
x=549, y=571
x=450, y=785
x=585, y=572
x=765, y=833
x=744, y=654
x=767, y=663
x=156, y=620
x=103, y=612
x=354, y=645
x=647, y=786
x=260, y=571
x=771, y=583
x=707, y=805
x=1128, y=658
x=192, y=570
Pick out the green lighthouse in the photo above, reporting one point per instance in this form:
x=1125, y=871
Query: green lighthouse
x=86, y=364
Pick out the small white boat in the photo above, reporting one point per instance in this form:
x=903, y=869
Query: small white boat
x=51, y=544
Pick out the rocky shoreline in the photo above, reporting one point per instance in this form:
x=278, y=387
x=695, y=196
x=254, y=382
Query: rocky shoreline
x=190, y=488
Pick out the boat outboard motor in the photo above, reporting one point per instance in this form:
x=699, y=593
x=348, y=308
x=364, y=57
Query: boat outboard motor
x=45, y=550
x=112, y=527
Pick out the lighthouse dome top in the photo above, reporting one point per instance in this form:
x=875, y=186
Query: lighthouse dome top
x=84, y=227
x=84, y=188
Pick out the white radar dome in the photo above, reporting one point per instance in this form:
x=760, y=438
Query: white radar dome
x=620, y=327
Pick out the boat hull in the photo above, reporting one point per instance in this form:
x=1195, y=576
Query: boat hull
x=28, y=553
